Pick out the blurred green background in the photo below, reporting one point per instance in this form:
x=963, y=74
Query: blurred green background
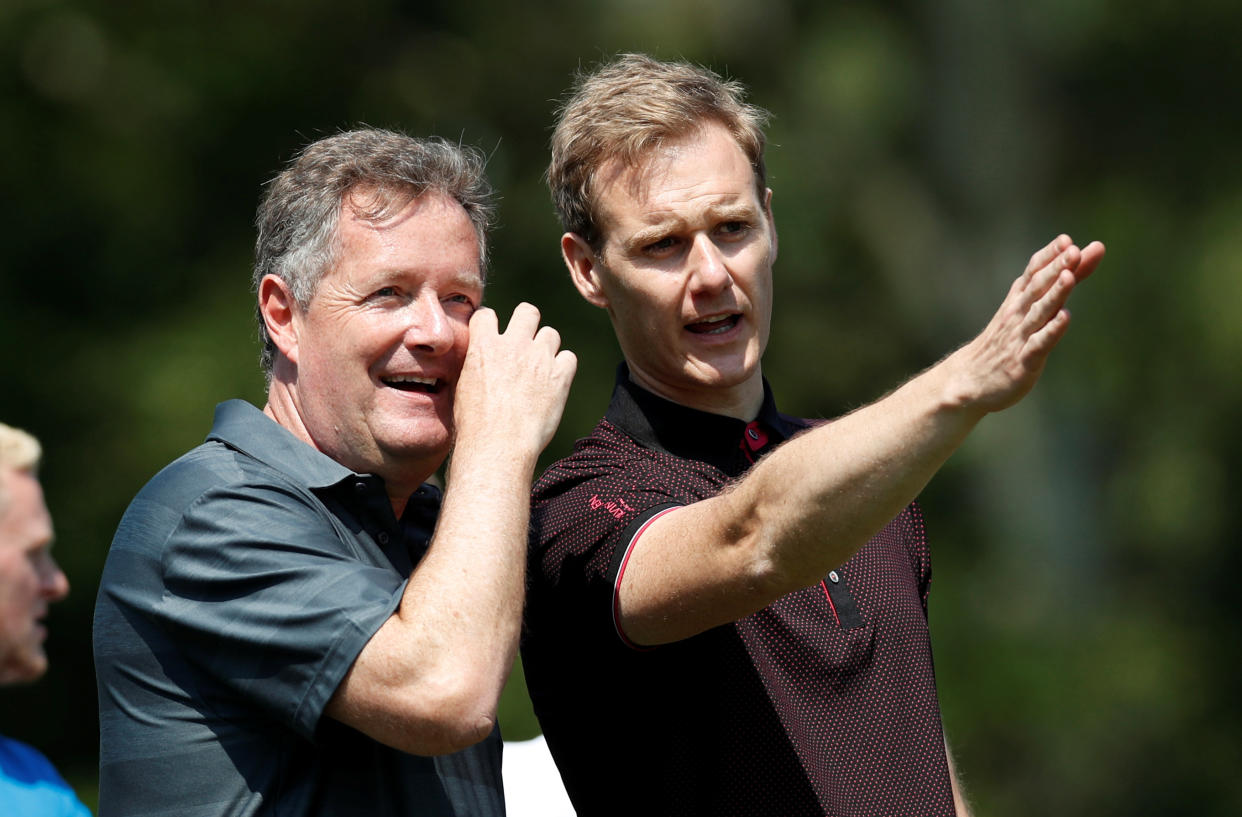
x=1083, y=606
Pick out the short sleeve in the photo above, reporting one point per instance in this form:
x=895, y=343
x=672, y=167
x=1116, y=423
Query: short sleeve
x=584, y=514
x=266, y=592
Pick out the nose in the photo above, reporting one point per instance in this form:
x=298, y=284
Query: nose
x=708, y=273
x=429, y=331
x=53, y=582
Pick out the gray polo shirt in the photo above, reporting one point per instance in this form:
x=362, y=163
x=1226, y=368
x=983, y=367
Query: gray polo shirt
x=243, y=581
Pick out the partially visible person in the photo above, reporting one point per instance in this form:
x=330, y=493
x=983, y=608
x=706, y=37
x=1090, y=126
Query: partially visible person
x=30, y=580
x=728, y=605
x=292, y=619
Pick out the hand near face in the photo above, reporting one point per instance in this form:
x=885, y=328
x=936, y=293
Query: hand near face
x=513, y=384
x=1002, y=364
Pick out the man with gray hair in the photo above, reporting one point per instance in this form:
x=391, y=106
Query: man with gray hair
x=30, y=580
x=278, y=631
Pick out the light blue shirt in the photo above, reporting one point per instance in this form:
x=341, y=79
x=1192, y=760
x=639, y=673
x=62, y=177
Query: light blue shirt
x=31, y=787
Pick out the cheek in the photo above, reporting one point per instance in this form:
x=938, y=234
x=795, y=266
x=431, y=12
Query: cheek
x=17, y=593
x=461, y=337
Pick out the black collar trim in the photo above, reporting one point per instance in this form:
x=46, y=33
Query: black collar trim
x=672, y=428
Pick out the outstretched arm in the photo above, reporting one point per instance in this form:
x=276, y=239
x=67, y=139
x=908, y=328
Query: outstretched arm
x=811, y=503
x=429, y=680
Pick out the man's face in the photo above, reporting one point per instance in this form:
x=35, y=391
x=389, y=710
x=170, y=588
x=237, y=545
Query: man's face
x=30, y=580
x=379, y=348
x=685, y=270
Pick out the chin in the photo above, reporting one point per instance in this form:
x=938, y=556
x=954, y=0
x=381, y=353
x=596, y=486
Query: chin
x=727, y=373
x=26, y=672
x=420, y=450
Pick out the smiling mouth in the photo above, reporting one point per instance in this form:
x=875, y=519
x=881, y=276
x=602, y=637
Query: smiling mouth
x=714, y=326
x=426, y=385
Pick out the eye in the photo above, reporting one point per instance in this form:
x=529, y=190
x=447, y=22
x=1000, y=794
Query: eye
x=460, y=298
x=661, y=247
x=733, y=228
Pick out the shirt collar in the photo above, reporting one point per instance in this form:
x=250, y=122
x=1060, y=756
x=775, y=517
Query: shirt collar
x=663, y=425
x=241, y=426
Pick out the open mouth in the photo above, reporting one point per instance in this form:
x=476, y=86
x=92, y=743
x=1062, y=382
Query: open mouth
x=717, y=325
x=427, y=385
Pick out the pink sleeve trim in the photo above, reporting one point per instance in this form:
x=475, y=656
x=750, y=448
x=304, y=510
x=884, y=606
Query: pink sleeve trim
x=616, y=587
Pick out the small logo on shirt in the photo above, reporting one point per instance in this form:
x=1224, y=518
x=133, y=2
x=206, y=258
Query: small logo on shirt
x=617, y=507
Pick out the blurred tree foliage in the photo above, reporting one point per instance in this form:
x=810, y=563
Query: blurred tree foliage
x=920, y=152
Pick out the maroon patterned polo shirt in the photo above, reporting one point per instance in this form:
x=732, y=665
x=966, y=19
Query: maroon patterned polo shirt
x=822, y=703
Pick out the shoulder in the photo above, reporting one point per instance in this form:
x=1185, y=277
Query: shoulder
x=19, y=759
x=30, y=784
x=210, y=465
x=213, y=473
x=607, y=453
x=200, y=506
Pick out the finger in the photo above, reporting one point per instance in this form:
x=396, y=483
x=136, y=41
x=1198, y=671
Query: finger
x=1046, y=277
x=1044, y=256
x=566, y=364
x=549, y=338
x=1046, y=307
x=568, y=361
x=1092, y=255
x=1043, y=341
x=524, y=322
x=483, y=321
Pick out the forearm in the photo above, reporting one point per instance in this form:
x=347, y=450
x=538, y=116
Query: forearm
x=428, y=681
x=465, y=598
x=813, y=502
x=800, y=511
x=819, y=498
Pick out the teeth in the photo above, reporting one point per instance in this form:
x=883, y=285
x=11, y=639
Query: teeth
x=409, y=378
x=714, y=325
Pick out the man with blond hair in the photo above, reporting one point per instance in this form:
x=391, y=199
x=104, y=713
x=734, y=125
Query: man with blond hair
x=30, y=580
x=292, y=620
x=728, y=605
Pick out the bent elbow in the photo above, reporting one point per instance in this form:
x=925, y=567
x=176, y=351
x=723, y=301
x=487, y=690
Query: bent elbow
x=455, y=735
x=424, y=719
x=774, y=572
x=462, y=715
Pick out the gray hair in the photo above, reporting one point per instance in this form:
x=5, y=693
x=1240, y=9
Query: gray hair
x=300, y=212
x=19, y=451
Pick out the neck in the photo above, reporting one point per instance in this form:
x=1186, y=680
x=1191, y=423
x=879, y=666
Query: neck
x=281, y=407
x=741, y=401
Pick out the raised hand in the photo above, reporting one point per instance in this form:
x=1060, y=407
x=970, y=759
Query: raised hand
x=513, y=385
x=1000, y=366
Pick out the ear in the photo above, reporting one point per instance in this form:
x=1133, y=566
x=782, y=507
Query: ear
x=584, y=269
x=767, y=208
x=280, y=313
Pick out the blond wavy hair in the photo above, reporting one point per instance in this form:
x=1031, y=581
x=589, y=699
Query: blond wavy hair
x=629, y=106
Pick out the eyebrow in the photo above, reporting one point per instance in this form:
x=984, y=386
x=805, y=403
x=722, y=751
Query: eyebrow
x=715, y=213
x=387, y=275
